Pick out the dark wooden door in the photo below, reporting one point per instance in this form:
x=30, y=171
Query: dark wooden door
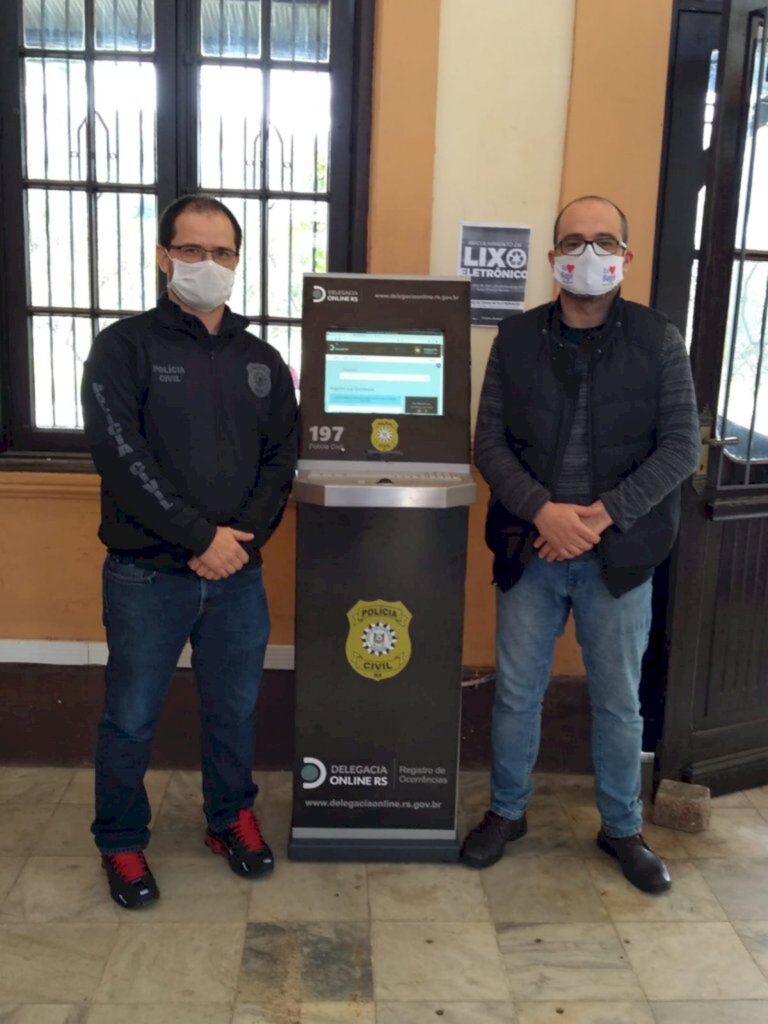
x=716, y=716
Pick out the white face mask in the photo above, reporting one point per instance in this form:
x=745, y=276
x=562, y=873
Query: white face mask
x=202, y=286
x=588, y=273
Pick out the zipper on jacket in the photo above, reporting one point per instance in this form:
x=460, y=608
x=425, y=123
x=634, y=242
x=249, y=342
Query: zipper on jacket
x=215, y=392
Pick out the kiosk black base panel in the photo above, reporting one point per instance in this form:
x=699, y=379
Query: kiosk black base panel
x=379, y=626
x=435, y=851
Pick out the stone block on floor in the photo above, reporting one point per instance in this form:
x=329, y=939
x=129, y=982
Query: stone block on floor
x=682, y=806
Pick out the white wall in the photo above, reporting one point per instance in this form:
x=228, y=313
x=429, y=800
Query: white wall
x=503, y=85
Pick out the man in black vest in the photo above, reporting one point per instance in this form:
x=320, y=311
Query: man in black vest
x=587, y=427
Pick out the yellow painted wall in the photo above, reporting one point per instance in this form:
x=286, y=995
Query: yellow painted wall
x=616, y=117
x=473, y=119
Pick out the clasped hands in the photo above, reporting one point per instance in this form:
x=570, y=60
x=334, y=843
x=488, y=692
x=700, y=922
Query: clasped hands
x=224, y=556
x=567, y=531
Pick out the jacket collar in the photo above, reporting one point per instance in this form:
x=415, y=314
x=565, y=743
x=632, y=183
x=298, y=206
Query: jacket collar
x=613, y=320
x=172, y=315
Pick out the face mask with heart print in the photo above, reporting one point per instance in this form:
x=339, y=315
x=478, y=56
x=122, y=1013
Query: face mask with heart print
x=588, y=274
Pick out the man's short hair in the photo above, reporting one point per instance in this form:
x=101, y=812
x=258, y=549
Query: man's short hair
x=602, y=199
x=199, y=203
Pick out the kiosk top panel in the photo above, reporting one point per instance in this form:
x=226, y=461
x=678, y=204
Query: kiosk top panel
x=385, y=371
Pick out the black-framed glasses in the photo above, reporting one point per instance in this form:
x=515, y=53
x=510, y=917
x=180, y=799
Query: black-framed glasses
x=605, y=245
x=197, y=253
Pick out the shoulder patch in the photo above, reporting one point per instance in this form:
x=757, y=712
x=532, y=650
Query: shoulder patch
x=259, y=379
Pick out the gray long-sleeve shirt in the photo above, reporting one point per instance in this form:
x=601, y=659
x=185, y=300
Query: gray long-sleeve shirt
x=674, y=459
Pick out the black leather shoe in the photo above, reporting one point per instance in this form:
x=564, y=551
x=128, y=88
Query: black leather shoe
x=485, y=844
x=641, y=866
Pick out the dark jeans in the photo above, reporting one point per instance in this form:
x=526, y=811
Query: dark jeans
x=149, y=615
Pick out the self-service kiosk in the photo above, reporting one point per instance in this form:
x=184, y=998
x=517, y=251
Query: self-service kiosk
x=382, y=497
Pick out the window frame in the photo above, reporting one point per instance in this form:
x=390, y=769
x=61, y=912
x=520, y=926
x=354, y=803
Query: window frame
x=24, y=446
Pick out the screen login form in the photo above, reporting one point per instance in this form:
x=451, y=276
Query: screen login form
x=397, y=372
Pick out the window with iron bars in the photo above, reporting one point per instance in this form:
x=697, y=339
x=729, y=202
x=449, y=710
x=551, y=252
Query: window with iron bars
x=112, y=108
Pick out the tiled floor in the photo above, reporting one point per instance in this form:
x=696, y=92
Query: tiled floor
x=552, y=933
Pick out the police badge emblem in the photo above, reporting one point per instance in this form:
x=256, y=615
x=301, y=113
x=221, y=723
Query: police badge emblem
x=384, y=436
x=259, y=379
x=378, y=644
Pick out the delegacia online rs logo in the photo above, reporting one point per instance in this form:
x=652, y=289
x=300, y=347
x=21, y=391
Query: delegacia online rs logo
x=313, y=773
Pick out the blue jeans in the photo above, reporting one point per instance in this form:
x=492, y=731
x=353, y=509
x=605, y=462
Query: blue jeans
x=149, y=615
x=613, y=634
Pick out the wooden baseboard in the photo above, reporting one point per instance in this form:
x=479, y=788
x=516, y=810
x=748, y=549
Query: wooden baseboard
x=50, y=714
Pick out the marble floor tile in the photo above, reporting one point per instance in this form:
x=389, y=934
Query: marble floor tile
x=336, y=962
x=754, y=935
x=546, y=889
x=287, y=964
x=63, y=889
x=122, y=1014
x=738, y=799
x=338, y=1013
x=175, y=838
x=577, y=962
x=195, y=889
x=584, y=1013
x=689, y=899
x=183, y=794
x=80, y=788
x=570, y=790
x=275, y=820
x=10, y=869
x=39, y=1013
x=27, y=785
x=53, y=962
x=425, y=892
x=737, y=833
x=549, y=832
x=757, y=797
x=678, y=961
x=306, y=1013
x=711, y=1013
x=310, y=892
x=475, y=792
x=179, y=824
x=68, y=832
x=22, y=826
x=741, y=886
x=276, y=787
x=251, y=1013
x=446, y=1013
x=173, y=963
x=448, y=961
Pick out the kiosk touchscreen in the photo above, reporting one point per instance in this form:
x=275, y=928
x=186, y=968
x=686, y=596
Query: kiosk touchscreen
x=396, y=372
x=382, y=496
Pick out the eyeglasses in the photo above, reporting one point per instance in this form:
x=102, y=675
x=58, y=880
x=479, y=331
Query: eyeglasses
x=605, y=245
x=196, y=254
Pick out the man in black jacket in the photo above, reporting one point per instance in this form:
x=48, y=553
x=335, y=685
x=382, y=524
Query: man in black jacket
x=586, y=428
x=191, y=421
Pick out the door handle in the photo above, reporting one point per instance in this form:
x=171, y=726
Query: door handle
x=706, y=444
x=721, y=442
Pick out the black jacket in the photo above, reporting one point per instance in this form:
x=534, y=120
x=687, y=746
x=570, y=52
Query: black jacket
x=537, y=388
x=189, y=432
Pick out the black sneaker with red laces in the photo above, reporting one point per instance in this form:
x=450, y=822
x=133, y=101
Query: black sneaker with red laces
x=244, y=845
x=131, y=883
